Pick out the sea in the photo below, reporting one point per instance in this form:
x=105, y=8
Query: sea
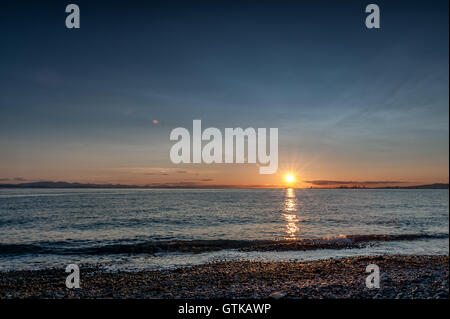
x=137, y=229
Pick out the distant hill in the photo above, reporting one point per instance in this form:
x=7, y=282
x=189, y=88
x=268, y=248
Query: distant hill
x=430, y=186
x=64, y=185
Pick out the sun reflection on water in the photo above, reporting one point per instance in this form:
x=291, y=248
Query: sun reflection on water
x=290, y=214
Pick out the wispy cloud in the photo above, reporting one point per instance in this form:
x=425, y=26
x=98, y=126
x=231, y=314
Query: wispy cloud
x=15, y=179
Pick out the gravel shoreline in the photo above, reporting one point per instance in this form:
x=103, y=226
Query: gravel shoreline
x=414, y=276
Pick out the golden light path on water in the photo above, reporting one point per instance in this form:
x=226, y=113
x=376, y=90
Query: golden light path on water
x=290, y=214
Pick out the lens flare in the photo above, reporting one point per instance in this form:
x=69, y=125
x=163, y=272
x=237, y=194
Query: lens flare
x=289, y=178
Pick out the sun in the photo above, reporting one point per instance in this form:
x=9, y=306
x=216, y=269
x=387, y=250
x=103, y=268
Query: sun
x=289, y=178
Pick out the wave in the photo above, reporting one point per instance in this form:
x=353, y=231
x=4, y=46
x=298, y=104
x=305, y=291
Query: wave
x=201, y=246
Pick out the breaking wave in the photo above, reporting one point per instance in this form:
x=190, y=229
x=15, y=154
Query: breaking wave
x=201, y=246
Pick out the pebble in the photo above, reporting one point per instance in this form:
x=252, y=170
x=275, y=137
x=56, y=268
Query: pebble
x=277, y=295
x=409, y=277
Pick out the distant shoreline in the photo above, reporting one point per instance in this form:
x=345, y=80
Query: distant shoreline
x=61, y=185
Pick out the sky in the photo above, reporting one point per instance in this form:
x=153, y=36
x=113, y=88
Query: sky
x=351, y=104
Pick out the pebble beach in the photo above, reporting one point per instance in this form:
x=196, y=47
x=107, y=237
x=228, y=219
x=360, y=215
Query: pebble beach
x=402, y=277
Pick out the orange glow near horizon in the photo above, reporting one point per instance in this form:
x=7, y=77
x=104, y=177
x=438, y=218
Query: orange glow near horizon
x=289, y=175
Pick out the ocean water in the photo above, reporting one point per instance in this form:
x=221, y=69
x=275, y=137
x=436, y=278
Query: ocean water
x=163, y=228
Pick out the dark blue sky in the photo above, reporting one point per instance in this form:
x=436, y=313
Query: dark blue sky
x=348, y=101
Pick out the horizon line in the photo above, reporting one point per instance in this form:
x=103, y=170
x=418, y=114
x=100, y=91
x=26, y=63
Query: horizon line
x=356, y=185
